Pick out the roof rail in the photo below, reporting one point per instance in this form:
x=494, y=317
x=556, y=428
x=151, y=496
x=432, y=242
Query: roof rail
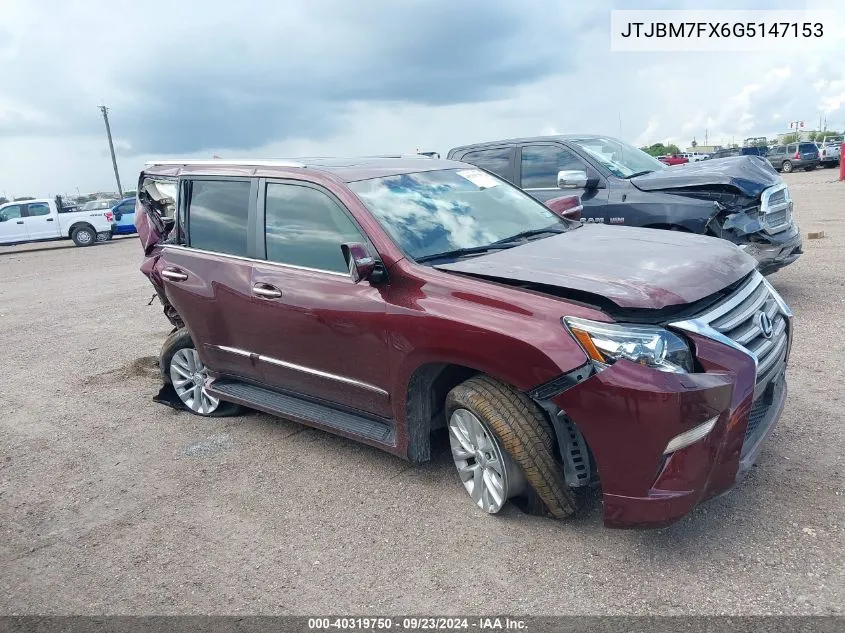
x=257, y=162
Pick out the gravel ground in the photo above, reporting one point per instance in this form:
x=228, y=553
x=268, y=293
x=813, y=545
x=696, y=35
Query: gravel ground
x=112, y=504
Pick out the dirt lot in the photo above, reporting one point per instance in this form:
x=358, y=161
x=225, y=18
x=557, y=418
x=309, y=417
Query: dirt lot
x=110, y=503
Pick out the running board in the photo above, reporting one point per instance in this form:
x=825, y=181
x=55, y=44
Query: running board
x=304, y=411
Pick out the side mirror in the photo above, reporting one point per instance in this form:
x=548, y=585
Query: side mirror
x=572, y=179
x=3, y=218
x=117, y=215
x=361, y=265
x=568, y=207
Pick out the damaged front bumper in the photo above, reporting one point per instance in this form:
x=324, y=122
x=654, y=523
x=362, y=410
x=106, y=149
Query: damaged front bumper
x=769, y=233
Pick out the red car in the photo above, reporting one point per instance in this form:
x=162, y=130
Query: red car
x=673, y=159
x=389, y=299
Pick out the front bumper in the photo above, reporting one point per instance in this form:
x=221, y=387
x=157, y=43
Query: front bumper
x=777, y=251
x=628, y=413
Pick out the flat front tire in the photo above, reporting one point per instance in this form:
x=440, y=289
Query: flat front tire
x=503, y=447
x=182, y=368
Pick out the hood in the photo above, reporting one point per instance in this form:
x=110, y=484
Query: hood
x=750, y=174
x=632, y=267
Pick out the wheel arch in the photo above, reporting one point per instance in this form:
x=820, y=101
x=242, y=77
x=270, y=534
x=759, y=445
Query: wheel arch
x=79, y=224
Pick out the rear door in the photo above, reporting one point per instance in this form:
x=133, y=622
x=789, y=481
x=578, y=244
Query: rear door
x=40, y=221
x=808, y=151
x=500, y=160
x=319, y=334
x=12, y=224
x=206, y=277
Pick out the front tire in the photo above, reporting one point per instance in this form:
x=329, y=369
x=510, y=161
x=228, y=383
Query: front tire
x=182, y=368
x=503, y=447
x=786, y=167
x=84, y=236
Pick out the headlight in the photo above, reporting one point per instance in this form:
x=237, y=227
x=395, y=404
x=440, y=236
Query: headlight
x=643, y=344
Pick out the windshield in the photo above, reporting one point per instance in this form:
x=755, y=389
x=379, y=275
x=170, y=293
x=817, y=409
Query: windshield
x=621, y=159
x=434, y=212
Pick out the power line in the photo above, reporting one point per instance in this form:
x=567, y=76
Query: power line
x=105, y=112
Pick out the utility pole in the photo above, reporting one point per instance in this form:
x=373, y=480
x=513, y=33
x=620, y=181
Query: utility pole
x=105, y=112
x=705, y=137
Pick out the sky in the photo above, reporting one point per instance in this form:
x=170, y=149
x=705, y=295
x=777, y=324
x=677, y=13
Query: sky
x=287, y=78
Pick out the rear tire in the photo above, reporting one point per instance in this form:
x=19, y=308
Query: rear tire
x=786, y=167
x=522, y=431
x=179, y=346
x=84, y=236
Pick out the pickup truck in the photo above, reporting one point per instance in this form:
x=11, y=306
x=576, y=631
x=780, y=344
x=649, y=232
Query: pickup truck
x=829, y=154
x=673, y=159
x=741, y=198
x=47, y=219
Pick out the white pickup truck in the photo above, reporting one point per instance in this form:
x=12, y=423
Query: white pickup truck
x=45, y=219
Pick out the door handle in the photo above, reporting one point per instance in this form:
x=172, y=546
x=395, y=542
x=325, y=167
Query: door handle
x=49, y=219
x=266, y=290
x=19, y=222
x=173, y=274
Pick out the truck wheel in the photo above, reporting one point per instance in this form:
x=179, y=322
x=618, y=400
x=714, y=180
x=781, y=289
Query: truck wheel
x=502, y=446
x=182, y=368
x=84, y=236
x=786, y=167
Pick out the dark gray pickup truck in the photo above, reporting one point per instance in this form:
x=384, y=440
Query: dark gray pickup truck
x=741, y=198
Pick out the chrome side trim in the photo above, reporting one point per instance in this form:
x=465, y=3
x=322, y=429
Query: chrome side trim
x=303, y=369
x=263, y=262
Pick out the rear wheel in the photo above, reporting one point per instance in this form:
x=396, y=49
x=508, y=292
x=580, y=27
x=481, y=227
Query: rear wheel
x=84, y=236
x=786, y=167
x=502, y=446
x=182, y=368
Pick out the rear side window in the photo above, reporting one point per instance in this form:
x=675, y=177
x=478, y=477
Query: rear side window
x=496, y=160
x=217, y=216
x=305, y=227
x=541, y=163
x=39, y=208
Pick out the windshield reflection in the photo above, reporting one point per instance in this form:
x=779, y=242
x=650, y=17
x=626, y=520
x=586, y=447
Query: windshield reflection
x=621, y=159
x=439, y=211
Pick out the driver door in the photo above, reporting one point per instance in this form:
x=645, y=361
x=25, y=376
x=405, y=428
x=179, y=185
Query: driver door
x=12, y=224
x=539, y=165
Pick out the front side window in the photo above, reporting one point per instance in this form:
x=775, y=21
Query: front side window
x=541, y=163
x=39, y=208
x=217, y=216
x=305, y=227
x=11, y=212
x=497, y=160
x=433, y=212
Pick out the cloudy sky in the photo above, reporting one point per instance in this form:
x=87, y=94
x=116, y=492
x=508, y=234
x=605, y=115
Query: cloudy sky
x=336, y=77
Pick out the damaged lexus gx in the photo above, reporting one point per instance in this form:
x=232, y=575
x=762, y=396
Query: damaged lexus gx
x=741, y=198
x=391, y=299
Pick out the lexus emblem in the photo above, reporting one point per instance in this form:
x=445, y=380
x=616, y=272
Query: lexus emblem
x=765, y=324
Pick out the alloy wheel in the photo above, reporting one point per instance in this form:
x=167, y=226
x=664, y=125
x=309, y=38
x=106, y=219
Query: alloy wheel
x=188, y=375
x=482, y=464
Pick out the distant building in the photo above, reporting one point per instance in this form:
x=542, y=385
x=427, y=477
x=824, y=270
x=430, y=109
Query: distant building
x=802, y=135
x=703, y=149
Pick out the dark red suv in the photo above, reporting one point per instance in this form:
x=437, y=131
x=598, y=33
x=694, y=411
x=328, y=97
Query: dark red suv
x=383, y=299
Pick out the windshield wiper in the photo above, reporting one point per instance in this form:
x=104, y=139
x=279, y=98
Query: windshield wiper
x=639, y=173
x=460, y=252
x=530, y=233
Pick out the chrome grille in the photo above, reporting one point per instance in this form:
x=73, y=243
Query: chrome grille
x=775, y=209
x=738, y=321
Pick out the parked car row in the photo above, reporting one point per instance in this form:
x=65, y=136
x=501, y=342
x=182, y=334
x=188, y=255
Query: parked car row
x=49, y=219
x=385, y=298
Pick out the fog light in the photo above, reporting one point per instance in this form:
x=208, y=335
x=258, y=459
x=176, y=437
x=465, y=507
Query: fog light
x=690, y=437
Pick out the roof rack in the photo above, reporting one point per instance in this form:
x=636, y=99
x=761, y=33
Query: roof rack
x=258, y=162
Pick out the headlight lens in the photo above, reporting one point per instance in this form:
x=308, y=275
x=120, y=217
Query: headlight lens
x=643, y=344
